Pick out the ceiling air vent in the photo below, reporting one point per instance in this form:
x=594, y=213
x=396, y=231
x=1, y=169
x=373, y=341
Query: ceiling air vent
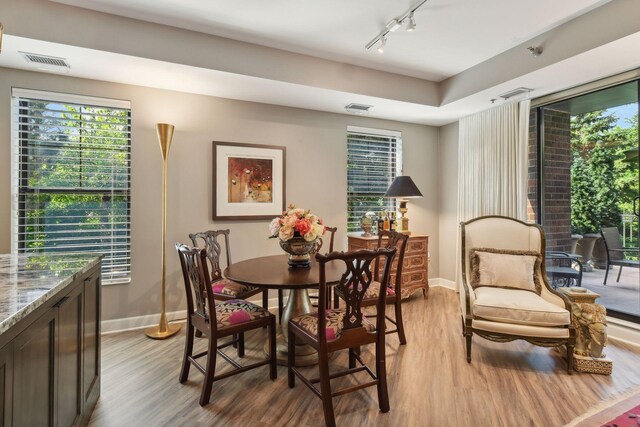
x=358, y=108
x=515, y=92
x=51, y=62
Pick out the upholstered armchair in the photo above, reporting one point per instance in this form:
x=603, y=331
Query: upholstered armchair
x=505, y=294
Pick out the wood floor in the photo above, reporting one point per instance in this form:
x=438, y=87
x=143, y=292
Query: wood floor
x=430, y=382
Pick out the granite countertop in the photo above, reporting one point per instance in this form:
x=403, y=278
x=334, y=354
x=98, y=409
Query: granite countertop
x=27, y=281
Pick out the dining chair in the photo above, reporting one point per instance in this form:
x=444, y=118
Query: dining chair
x=223, y=288
x=387, y=239
x=332, y=231
x=217, y=320
x=330, y=330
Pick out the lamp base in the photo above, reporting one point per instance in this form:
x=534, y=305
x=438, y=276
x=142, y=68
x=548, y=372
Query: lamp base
x=163, y=330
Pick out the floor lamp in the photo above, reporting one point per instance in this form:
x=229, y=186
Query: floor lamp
x=164, y=329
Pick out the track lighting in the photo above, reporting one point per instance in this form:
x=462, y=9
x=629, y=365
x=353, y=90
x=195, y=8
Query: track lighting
x=535, y=50
x=411, y=26
x=406, y=18
x=383, y=43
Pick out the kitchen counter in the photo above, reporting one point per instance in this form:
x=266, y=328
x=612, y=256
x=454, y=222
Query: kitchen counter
x=28, y=281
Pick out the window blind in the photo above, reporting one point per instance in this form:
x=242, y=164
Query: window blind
x=72, y=178
x=374, y=160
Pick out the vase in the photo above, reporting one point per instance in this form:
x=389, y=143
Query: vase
x=299, y=251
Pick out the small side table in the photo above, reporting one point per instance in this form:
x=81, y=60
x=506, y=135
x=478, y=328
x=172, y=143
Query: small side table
x=582, y=363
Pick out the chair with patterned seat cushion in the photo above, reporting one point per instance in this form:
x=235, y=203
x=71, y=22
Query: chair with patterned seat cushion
x=217, y=320
x=505, y=291
x=223, y=289
x=330, y=330
x=388, y=239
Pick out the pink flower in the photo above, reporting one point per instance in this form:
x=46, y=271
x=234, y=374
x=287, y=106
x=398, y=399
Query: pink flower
x=303, y=226
x=285, y=233
x=274, y=227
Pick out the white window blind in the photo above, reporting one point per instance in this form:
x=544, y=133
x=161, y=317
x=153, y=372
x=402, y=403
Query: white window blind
x=374, y=160
x=72, y=178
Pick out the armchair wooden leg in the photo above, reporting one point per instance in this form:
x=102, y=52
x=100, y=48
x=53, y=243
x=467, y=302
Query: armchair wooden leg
x=241, y=344
x=188, y=352
x=209, y=372
x=570, y=348
x=399, y=322
x=273, y=367
x=291, y=358
x=325, y=389
x=468, y=335
x=619, y=273
x=352, y=357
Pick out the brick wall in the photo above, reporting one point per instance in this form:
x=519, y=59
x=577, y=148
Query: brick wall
x=557, y=179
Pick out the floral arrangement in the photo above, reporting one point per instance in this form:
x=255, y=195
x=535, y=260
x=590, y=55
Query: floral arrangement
x=296, y=222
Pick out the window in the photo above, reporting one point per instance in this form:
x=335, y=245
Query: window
x=374, y=159
x=71, y=178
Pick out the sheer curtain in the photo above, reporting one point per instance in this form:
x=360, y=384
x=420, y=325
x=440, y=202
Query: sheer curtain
x=492, y=164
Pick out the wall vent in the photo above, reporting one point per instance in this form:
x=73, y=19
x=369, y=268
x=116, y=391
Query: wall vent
x=49, y=61
x=357, y=108
x=515, y=92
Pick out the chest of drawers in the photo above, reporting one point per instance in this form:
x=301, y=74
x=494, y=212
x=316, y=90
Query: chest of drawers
x=415, y=269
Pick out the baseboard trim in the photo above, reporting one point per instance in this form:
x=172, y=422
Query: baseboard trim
x=621, y=330
x=439, y=282
x=141, y=322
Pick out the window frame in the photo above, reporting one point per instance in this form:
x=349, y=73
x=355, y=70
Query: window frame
x=395, y=162
x=21, y=187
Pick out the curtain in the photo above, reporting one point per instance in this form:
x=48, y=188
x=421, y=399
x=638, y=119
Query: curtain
x=492, y=164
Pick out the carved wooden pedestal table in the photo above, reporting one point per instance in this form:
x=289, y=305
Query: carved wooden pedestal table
x=273, y=272
x=589, y=319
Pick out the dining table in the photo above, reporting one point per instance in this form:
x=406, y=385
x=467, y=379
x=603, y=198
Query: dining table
x=274, y=272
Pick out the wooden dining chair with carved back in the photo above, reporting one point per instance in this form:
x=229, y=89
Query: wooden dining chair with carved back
x=223, y=288
x=330, y=330
x=387, y=239
x=217, y=320
x=332, y=231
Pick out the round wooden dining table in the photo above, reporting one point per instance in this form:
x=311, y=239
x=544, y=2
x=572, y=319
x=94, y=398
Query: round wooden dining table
x=273, y=272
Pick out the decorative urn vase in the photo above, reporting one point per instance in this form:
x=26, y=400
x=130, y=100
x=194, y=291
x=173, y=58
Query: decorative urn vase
x=299, y=251
x=298, y=231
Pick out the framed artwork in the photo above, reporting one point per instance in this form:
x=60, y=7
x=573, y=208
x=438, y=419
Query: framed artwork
x=248, y=181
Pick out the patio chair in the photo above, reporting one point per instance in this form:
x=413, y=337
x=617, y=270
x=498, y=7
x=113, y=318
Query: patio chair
x=616, y=254
x=563, y=269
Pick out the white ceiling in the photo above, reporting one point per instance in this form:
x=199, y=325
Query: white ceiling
x=457, y=34
x=451, y=35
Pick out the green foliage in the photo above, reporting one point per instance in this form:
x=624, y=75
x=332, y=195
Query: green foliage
x=603, y=184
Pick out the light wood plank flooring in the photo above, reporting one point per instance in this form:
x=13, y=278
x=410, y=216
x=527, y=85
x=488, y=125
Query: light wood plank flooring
x=430, y=382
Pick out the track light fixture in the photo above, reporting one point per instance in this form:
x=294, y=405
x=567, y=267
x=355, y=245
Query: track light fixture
x=406, y=18
x=411, y=26
x=535, y=50
x=383, y=43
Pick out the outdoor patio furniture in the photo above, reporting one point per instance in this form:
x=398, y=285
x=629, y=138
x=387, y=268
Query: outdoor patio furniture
x=616, y=254
x=563, y=269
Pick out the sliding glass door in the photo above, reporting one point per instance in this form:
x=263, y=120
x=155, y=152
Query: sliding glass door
x=586, y=193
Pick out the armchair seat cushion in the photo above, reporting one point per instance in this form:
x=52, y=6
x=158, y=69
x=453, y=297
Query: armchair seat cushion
x=334, y=323
x=229, y=288
x=517, y=306
x=236, y=311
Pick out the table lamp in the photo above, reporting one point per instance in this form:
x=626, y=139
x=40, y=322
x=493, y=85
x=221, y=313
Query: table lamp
x=403, y=188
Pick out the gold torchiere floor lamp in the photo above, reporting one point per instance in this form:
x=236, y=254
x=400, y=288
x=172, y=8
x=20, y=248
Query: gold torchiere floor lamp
x=164, y=329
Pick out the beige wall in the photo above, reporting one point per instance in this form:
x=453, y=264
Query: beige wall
x=448, y=199
x=316, y=174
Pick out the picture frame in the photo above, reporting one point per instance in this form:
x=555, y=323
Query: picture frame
x=249, y=181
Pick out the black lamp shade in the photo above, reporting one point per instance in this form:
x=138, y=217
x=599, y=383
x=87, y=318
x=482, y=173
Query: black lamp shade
x=403, y=187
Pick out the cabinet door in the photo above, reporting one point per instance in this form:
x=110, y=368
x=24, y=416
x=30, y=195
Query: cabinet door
x=91, y=339
x=6, y=384
x=69, y=357
x=33, y=376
